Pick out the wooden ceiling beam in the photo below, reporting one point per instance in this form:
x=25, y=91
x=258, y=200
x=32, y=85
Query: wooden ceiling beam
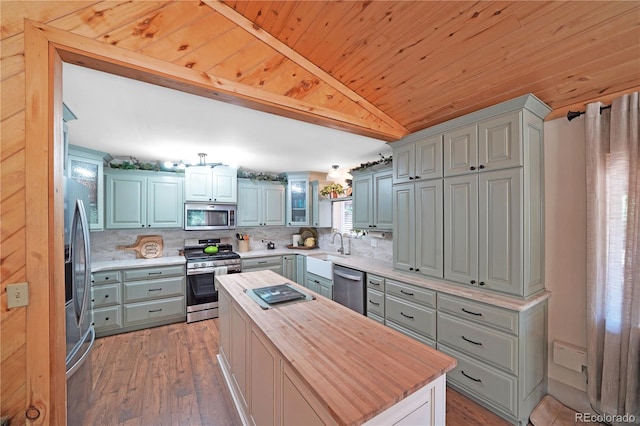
x=294, y=56
x=103, y=57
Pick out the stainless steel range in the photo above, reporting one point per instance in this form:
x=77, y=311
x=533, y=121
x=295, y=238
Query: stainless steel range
x=205, y=259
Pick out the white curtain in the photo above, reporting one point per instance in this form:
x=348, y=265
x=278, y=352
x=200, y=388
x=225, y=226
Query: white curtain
x=613, y=257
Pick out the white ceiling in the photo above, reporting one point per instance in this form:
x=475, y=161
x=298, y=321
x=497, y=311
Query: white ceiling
x=125, y=117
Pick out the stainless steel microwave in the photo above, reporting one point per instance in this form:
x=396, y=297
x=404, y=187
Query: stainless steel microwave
x=209, y=216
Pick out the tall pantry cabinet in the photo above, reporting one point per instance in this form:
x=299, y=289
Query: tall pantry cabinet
x=468, y=199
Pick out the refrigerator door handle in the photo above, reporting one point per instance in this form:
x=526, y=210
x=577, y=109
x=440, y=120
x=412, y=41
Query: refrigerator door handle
x=84, y=356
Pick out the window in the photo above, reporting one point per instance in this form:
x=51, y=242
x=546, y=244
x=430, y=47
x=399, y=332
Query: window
x=342, y=216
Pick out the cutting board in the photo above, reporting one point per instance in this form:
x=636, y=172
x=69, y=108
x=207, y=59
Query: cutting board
x=146, y=246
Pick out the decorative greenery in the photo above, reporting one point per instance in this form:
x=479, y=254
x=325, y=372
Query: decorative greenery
x=134, y=164
x=262, y=176
x=364, y=166
x=334, y=187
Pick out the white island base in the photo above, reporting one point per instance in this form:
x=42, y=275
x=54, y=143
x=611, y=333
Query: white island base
x=317, y=362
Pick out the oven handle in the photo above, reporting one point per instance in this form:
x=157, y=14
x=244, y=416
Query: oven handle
x=201, y=271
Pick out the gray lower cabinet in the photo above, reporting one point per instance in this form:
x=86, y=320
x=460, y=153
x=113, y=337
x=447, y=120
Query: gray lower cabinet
x=132, y=299
x=411, y=310
x=289, y=269
x=301, y=268
x=501, y=354
x=267, y=263
x=319, y=284
x=375, y=297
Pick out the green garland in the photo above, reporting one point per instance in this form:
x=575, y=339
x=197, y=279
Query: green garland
x=139, y=165
x=381, y=160
x=262, y=176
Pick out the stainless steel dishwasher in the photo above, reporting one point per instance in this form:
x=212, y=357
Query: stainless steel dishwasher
x=348, y=288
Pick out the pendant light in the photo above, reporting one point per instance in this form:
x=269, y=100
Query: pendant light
x=333, y=174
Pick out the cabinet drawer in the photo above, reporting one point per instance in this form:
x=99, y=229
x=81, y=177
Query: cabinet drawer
x=375, y=282
x=479, y=312
x=375, y=302
x=106, y=277
x=411, y=315
x=105, y=295
x=492, y=346
x=145, y=290
x=154, y=310
x=261, y=262
x=159, y=272
x=413, y=293
x=412, y=334
x=485, y=383
x=107, y=318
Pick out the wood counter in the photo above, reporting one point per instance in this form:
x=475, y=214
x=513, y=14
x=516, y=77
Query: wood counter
x=354, y=367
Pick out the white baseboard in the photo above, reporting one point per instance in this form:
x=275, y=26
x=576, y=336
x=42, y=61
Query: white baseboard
x=569, y=396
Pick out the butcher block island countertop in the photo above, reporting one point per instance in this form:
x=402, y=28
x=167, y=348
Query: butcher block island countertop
x=344, y=367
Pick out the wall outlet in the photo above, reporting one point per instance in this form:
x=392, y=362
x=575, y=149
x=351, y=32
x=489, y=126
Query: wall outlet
x=17, y=295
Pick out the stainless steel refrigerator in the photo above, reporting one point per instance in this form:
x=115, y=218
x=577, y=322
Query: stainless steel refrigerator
x=79, y=321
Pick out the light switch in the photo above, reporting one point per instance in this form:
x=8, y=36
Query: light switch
x=17, y=295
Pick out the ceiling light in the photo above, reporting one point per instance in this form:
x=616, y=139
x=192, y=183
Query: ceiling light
x=333, y=174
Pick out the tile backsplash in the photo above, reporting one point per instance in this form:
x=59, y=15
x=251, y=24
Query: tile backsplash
x=103, y=243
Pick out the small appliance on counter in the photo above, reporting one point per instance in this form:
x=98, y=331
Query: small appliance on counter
x=270, y=245
x=206, y=258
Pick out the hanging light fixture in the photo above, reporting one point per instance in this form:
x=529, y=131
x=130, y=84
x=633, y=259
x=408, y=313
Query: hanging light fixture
x=333, y=174
x=203, y=158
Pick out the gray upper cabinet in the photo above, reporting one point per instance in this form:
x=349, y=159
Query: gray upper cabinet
x=260, y=203
x=422, y=160
x=298, y=197
x=372, y=196
x=206, y=183
x=86, y=166
x=143, y=200
x=321, y=208
x=492, y=200
x=489, y=145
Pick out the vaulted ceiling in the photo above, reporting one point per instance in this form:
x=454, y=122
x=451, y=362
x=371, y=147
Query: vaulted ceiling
x=377, y=68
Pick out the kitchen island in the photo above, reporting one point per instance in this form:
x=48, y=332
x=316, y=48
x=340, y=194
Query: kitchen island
x=317, y=362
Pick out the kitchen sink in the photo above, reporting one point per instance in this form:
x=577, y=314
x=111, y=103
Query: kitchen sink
x=320, y=264
x=327, y=256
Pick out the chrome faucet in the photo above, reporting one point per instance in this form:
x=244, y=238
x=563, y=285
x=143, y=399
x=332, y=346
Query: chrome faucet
x=341, y=249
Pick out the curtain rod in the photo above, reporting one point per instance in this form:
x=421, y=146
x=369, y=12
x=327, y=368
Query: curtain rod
x=574, y=114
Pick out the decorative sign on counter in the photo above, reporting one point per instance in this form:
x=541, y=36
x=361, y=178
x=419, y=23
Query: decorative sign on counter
x=146, y=246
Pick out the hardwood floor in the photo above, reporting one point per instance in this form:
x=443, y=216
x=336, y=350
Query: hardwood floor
x=170, y=376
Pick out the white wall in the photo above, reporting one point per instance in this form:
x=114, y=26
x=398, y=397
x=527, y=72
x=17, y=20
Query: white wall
x=565, y=245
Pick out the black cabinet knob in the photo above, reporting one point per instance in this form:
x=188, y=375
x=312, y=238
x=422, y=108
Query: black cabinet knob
x=411, y=269
x=473, y=282
x=417, y=270
x=481, y=166
x=472, y=168
x=417, y=177
x=410, y=177
x=106, y=319
x=481, y=283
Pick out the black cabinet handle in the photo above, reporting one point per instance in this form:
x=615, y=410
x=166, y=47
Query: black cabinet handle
x=417, y=177
x=481, y=283
x=106, y=319
x=316, y=281
x=374, y=303
x=374, y=283
x=106, y=296
x=481, y=166
x=155, y=289
x=472, y=168
x=407, y=293
x=473, y=282
x=142, y=226
x=411, y=178
x=417, y=270
x=471, y=341
x=156, y=310
x=469, y=377
x=405, y=315
x=471, y=313
x=154, y=273
x=411, y=269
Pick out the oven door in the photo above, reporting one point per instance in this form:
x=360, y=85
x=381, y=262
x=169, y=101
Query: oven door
x=202, y=296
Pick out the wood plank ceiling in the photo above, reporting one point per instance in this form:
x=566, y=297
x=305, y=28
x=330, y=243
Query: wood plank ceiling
x=378, y=68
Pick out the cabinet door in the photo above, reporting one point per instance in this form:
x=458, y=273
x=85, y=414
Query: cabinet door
x=326, y=290
x=198, y=183
x=383, y=201
x=298, y=201
x=499, y=144
x=404, y=232
x=264, y=380
x=90, y=174
x=249, y=204
x=500, y=254
x=404, y=163
x=273, y=205
x=240, y=327
x=428, y=158
x=224, y=184
x=461, y=151
x=301, y=267
x=165, y=202
x=126, y=202
x=362, y=201
x=429, y=228
x=289, y=267
x=461, y=229
x=224, y=324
